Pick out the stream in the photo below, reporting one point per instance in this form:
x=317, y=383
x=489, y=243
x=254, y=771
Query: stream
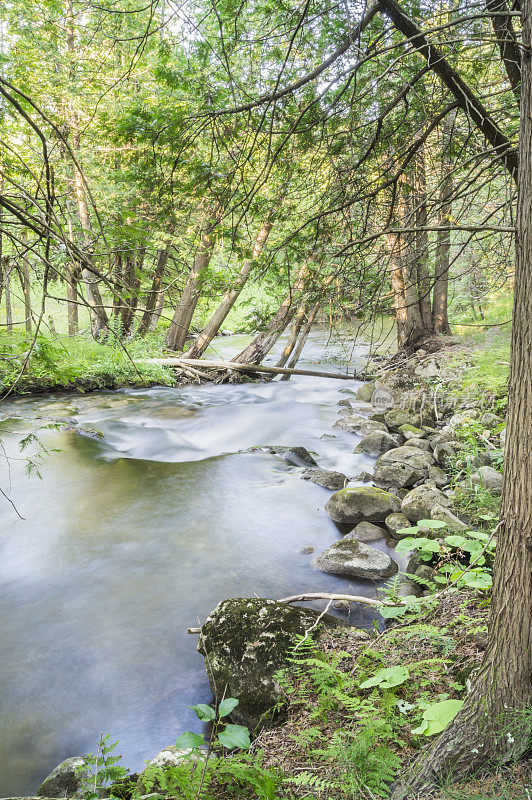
x=127, y=541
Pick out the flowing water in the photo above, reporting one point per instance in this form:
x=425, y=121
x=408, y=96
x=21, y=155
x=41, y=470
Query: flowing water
x=128, y=540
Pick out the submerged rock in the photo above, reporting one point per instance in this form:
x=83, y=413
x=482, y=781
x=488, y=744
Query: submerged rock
x=66, y=780
x=245, y=642
x=297, y=456
x=356, y=560
x=353, y=505
x=326, y=478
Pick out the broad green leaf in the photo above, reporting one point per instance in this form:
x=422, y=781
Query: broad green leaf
x=437, y=716
x=455, y=540
x=226, y=706
x=189, y=739
x=408, y=530
x=387, y=678
x=432, y=523
x=204, y=712
x=235, y=736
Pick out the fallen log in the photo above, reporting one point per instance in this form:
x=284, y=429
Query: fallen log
x=238, y=367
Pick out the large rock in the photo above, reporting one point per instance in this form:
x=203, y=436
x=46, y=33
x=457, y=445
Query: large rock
x=66, y=780
x=356, y=560
x=411, y=432
x=352, y=505
x=402, y=467
x=245, y=642
x=397, y=417
x=446, y=452
x=356, y=423
x=326, y=478
x=377, y=442
x=365, y=392
x=419, y=502
x=488, y=478
x=463, y=417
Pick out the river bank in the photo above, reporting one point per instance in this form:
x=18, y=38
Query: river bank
x=278, y=745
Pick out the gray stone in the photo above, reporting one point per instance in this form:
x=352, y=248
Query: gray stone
x=395, y=523
x=365, y=392
x=326, y=478
x=401, y=586
x=445, y=515
x=367, y=532
x=488, y=478
x=356, y=560
x=419, y=502
x=502, y=438
x=463, y=417
x=397, y=417
x=429, y=369
x=425, y=573
x=446, y=452
x=245, y=642
x=421, y=443
x=365, y=477
x=489, y=420
x=377, y=442
x=411, y=432
x=355, y=423
x=439, y=477
x=353, y=505
x=64, y=780
x=402, y=467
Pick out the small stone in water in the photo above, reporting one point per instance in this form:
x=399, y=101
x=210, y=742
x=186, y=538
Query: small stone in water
x=306, y=550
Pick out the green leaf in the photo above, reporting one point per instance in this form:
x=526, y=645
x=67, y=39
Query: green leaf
x=235, y=736
x=188, y=740
x=408, y=530
x=455, y=541
x=432, y=523
x=226, y=706
x=437, y=716
x=204, y=712
x=387, y=678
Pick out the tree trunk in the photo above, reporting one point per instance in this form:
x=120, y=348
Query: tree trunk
x=156, y=285
x=26, y=291
x=179, y=327
x=130, y=293
x=215, y=323
x=421, y=246
x=6, y=276
x=99, y=320
x=495, y=723
x=261, y=345
x=302, y=339
x=395, y=245
x=294, y=334
x=443, y=249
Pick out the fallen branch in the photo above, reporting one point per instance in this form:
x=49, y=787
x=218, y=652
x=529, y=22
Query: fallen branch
x=238, y=367
x=351, y=598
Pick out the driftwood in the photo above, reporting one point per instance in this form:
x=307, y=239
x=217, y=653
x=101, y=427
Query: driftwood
x=185, y=363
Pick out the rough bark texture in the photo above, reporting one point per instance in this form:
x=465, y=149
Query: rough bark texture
x=220, y=315
x=179, y=327
x=491, y=726
x=443, y=247
x=507, y=41
x=302, y=339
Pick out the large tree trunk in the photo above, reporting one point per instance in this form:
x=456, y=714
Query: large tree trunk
x=99, y=320
x=215, y=323
x=421, y=242
x=179, y=327
x=131, y=284
x=443, y=249
x=495, y=723
x=395, y=245
x=6, y=266
x=261, y=345
x=155, y=292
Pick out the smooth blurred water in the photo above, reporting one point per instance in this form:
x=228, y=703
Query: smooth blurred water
x=129, y=540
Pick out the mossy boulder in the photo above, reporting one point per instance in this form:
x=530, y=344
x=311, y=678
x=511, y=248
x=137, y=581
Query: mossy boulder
x=396, y=418
x=411, y=432
x=245, y=642
x=356, y=423
x=402, y=467
x=65, y=780
x=356, y=560
x=396, y=523
x=355, y=504
x=365, y=392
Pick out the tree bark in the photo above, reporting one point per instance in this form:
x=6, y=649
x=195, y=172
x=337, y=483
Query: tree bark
x=422, y=240
x=6, y=280
x=302, y=339
x=261, y=345
x=495, y=723
x=99, y=319
x=508, y=43
x=220, y=315
x=179, y=327
x=130, y=292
